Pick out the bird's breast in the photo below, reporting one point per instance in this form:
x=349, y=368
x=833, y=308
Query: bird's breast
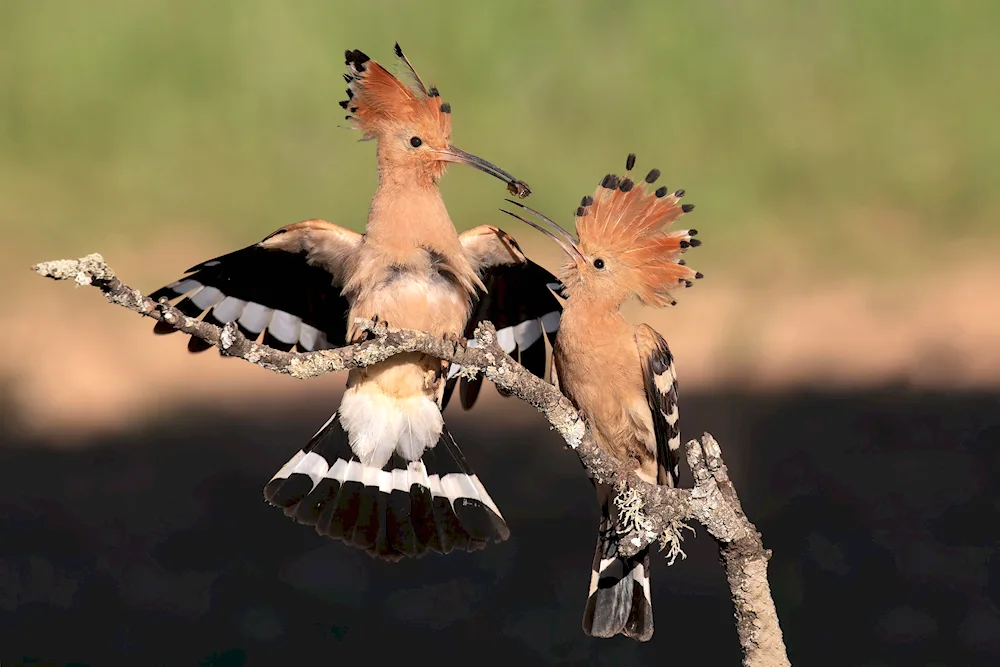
x=423, y=295
x=599, y=371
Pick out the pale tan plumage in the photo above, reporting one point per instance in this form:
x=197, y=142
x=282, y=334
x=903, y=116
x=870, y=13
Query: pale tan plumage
x=621, y=377
x=600, y=369
x=383, y=473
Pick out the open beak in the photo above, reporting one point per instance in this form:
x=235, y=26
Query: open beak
x=516, y=187
x=552, y=230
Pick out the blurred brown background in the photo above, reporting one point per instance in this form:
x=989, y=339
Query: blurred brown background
x=842, y=157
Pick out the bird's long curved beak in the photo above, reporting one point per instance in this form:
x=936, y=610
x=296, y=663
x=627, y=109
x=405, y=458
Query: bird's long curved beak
x=552, y=230
x=515, y=186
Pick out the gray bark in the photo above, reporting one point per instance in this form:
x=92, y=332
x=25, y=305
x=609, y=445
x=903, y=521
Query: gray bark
x=651, y=513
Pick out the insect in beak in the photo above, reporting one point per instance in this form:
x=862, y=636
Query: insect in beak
x=515, y=186
x=519, y=189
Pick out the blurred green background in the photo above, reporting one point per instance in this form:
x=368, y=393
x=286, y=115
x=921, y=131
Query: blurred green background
x=860, y=132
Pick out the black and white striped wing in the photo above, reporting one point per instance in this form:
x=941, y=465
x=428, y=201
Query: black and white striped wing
x=283, y=291
x=660, y=379
x=519, y=301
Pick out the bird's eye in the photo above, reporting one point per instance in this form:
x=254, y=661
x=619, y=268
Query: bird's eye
x=598, y=263
x=415, y=142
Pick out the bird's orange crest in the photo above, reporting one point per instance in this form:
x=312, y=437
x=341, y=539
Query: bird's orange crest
x=625, y=243
x=379, y=102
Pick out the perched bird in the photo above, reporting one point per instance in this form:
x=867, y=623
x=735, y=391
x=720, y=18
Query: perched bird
x=384, y=474
x=621, y=377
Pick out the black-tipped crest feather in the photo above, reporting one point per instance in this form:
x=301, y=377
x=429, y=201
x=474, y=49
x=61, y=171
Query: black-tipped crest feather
x=412, y=73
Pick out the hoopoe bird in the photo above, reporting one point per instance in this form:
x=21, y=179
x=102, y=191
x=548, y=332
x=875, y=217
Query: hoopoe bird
x=621, y=377
x=383, y=473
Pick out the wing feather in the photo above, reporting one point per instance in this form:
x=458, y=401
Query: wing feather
x=518, y=301
x=284, y=290
x=660, y=379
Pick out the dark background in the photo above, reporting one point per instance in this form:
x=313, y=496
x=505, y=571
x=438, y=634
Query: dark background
x=156, y=547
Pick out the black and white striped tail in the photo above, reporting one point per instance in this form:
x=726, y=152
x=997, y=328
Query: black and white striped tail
x=618, y=601
x=403, y=509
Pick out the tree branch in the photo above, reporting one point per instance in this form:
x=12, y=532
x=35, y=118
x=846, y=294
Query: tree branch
x=651, y=512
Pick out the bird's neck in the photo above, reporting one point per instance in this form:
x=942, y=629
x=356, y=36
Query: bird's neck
x=585, y=325
x=595, y=312
x=408, y=211
x=596, y=299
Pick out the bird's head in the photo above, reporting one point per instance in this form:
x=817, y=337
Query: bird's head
x=625, y=247
x=410, y=122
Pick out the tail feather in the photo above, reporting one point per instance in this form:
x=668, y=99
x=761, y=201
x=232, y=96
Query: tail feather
x=366, y=525
x=400, y=531
x=404, y=509
x=619, y=599
x=447, y=527
x=339, y=520
x=473, y=506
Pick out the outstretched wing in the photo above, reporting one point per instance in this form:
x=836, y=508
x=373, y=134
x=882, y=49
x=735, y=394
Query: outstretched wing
x=285, y=289
x=660, y=378
x=518, y=301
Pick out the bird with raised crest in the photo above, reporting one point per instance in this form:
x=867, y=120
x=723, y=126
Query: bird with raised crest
x=384, y=473
x=621, y=377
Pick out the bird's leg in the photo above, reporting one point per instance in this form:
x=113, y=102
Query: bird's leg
x=377, y=328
